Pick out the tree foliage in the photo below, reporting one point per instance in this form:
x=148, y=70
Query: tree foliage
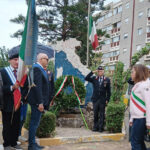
x=3, y=57
x=63, y=19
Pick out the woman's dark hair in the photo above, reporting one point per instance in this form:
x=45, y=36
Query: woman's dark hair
x=141, y=72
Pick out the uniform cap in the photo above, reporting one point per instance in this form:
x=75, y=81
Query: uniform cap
x=100, y=68
x=13, y=53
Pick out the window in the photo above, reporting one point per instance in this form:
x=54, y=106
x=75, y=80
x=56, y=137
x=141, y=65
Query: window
x=126, y=20
x=115, y=11
x=116, y=39
x=148, y=29
x=140, y=30
x=127, y=5
x=101, y=19
x=141, y=1
x=125, y=35
x=140, y=14
x=138, y=47
x=107, y=41
x=111, y=54
x=109, y=14
x=148, y=12
x=119, y=9
x=124, y=50
x=109, y=28
x=118, y=24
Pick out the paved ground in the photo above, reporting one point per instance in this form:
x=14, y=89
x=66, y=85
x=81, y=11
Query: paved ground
x=65, y=132
x=122, y=145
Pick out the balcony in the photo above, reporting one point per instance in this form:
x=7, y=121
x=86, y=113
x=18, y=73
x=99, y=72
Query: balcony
x=113, y=59
x=115, y=30
x=114, y=44
x=147, y=57
x=148, y=35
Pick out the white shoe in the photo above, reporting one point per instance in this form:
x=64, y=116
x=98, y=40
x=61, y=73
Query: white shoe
x=22, y=139
x=18, y=143
x=17, y=147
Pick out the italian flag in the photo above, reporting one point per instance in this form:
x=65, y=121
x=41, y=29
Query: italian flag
x=28, y=44
x=92, y=33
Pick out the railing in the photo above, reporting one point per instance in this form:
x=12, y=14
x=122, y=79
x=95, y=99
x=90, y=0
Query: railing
x=115, y=30
x=115, y=44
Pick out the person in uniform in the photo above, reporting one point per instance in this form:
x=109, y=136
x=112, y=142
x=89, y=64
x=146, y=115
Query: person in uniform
x=10, y=118
x=100, y=97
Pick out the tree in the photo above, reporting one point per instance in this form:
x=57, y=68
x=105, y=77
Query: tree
x=3, y=57
x=63, y=19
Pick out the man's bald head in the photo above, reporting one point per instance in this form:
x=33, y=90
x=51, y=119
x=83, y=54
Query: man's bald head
x=42, y=58
x=41, y=55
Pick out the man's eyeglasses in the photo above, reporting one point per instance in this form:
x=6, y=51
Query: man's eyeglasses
x=45, y=58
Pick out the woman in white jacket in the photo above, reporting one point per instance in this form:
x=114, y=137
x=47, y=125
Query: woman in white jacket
x=139, y=106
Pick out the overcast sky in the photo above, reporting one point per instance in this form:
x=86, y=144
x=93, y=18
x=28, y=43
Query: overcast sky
x=10, y=9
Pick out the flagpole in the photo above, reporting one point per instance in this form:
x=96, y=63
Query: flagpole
x=87, y=63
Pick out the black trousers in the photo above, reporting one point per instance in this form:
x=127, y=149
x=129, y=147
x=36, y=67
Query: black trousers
x=10, y=129
x=99, y=115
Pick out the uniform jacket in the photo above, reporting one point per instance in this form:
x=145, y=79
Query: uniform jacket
x=100, y=92
x=142, y=91
x=51, y=84
x=39, y=94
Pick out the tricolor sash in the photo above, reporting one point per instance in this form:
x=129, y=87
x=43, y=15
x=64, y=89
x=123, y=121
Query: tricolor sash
x=10, y=74
x=139, y=103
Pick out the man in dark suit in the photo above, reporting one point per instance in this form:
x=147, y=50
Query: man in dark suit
x=10, y=119
x=100, y=97
x=38, y=98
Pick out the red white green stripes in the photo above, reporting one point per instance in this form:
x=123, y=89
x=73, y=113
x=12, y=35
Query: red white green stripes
x=78, y=98
x=140, y=104
x=92, y=33
x=59, y=90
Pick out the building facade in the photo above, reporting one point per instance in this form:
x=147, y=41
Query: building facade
x=128, y=24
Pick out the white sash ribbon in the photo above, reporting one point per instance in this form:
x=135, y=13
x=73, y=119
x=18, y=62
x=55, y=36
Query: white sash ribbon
x=11, y=74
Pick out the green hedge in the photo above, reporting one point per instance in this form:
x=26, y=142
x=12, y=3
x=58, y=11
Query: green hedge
x=115, y=116
x=115, y=109
x=47, y=124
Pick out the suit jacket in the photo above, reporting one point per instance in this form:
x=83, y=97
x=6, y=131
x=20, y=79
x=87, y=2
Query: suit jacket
x=8, y=98
x=101, y=92
x=1, y=92
x=40, y=93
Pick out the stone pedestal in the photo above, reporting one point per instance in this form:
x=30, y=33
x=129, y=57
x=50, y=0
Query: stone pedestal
x=74, y=119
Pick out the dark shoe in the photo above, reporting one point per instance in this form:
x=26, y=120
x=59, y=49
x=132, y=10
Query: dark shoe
x=7, y=148
x=33, y=147
x=101, y=130
x=95, y=129
x=39, y=146
x=17, y=147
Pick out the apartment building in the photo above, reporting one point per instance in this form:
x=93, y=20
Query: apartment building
x=128, y=24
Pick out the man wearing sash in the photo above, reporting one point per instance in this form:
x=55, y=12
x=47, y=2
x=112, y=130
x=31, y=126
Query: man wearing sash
x=38, y=98
x=10, y=118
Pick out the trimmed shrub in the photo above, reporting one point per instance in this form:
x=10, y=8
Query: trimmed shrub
x=47, y=124
x=116, y=107
x=115, y=116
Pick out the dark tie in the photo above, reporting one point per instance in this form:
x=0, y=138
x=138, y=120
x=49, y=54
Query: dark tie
x=15, y=73
x=100, y=80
